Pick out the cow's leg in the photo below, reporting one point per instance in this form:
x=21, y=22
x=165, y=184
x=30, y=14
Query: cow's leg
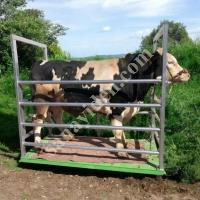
x=57, y=115
x=50, y=120
x=119, y=135
x=41, y=114
x=67, y=135
x=54, y=115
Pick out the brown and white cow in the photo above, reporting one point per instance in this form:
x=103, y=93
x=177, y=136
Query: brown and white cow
x=132, y=66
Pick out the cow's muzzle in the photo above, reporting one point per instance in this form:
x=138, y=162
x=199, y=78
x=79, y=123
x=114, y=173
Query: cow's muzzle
x=181, y=76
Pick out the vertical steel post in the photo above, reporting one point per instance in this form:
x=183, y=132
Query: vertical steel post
x=163, y=94
x=18, y=89
x=19, y=95
x=45, y=53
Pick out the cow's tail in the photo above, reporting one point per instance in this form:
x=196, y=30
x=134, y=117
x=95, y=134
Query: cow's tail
x=43, y=97
x=47, y=97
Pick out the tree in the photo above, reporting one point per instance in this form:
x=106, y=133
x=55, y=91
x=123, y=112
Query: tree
x=177, y=34
x=56, y=53
x=8, y=7
x=29, y=23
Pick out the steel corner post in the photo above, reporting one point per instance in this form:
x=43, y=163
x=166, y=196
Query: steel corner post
x=162, y=33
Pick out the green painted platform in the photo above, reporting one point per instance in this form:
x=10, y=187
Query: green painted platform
x=149, y=167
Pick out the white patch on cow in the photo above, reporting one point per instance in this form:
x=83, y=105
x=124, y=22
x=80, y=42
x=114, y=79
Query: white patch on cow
x=101, y=109
x=159, y=77
x=103, y=70
x=55, y=77
x=43, y=62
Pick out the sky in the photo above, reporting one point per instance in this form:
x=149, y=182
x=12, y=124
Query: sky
x=106, y=27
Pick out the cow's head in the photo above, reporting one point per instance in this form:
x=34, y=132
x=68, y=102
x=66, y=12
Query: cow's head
x=175, y=73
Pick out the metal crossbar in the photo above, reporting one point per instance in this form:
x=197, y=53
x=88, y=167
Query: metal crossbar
x=15, y=38
x=159, y=34
x=21, y=103
x=88, y=126
x=127, y=81
x=135, y=151
x=57, y=104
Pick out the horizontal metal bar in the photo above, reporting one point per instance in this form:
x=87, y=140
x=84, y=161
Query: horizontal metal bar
x=88, y=126
x=28, y=41
x=89, y=81
x=69, y=104
x=135, y=151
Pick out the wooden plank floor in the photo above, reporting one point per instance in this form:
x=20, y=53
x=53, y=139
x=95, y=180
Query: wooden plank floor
x=80, y=155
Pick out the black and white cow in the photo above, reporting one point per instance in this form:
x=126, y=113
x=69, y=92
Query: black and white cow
x=132, y=66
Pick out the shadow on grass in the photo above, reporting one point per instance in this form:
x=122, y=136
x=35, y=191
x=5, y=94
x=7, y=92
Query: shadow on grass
x=86, y=172
x=9, y=138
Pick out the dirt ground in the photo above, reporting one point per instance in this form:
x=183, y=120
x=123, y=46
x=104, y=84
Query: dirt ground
x=52, y=183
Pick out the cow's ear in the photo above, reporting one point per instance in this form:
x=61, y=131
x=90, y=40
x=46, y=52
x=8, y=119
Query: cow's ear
x=160, y=51
x=128, y=57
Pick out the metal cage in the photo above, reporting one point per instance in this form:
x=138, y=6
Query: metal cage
x=152, y=166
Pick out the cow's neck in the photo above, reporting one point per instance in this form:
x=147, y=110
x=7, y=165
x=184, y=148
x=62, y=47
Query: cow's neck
x=137, y=92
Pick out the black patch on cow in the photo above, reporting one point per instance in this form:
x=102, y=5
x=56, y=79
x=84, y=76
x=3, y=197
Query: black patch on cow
x=75, y=89
x=74, y=95
x=65, y=70
x=51, y=93
x=88, y=76
x=41, y=72
x=135, y=92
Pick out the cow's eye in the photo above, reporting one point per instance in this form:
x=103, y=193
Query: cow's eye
x=171, y=62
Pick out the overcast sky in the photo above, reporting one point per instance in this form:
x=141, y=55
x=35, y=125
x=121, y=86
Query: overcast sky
x=114, y=26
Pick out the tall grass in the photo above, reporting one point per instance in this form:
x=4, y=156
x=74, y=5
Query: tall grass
x=183, y=118
x=8, y=117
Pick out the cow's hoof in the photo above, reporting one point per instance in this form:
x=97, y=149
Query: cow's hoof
x=67, y=136
x=39, y=150
x=121, y=153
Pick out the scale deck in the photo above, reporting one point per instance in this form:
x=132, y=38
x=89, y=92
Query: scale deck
x=92, y=159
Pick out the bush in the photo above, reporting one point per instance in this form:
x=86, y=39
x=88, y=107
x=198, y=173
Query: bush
x=183, y=118
x=188, y=55
x=28, y=23
x=56, y=53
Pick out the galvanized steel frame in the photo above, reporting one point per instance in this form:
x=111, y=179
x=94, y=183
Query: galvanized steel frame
x=162, y=33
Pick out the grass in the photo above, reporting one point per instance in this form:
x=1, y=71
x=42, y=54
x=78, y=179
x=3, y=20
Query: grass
x=183, y=130
x=8, y=120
